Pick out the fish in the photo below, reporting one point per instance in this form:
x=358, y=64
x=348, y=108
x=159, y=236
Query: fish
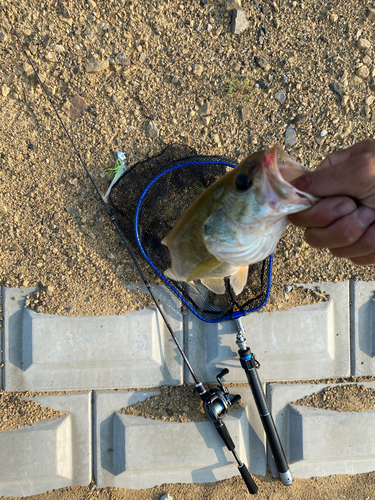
x=236, y=222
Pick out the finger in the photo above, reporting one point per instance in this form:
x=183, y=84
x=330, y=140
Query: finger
x=343, y=232
x=364, y=261
x=361, y=248
x=325, y=212
x=344, y=154
x=354, y=178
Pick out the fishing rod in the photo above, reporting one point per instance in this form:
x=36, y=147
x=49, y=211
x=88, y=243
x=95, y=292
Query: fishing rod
x=250, y=364
x=217, y=401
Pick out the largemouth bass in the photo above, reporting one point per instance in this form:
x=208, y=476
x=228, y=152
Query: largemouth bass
x=236, y=222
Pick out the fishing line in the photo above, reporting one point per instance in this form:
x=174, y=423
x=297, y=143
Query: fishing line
x=216, y=402
x=109, y=213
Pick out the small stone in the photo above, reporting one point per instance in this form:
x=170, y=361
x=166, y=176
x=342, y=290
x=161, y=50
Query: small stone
x=239, y=21
x=363, y=72
x=323, y=133
x=3, y=36
x=152, y=130
x=290, y=137
x=4, y=90
x=197, y=69
x=96, y=66
x=371, y=13
x=205, y=120
x=51, y=57
x=57, y=48
x=369, y=100
x=367, y=60
x=276, y=22
x=301, y=118
x=167, y=496
x=336, y=88
x=320, y=140
x=3, y=209
x=364, y=44
x=205, y=110
x=232, y=4
x=216, y=139
x=333, y=18
x=142, y=57
x=27, y=68
x=5, y=24
x=288, y=288
x=263, y=84
x=245, y=113
x=373, y=117
x=75, y=107
x=122, y=59
x=280, y=96
x=263, y=63
x=204, y=3
x=69, y=309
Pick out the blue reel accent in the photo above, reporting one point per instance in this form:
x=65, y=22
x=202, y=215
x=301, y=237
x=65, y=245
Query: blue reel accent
x=246, y=357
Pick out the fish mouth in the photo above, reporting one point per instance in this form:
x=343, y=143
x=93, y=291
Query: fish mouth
x=280, y=172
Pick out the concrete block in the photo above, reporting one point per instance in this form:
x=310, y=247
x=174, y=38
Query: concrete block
x=362, y=295
x=49, y=454
x=135, y=452
x=48, y=352
x=321, y=442
x=305, y=342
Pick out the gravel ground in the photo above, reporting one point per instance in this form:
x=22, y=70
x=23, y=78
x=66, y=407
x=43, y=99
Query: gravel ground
x=137, y=76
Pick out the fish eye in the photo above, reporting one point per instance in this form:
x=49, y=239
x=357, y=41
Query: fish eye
x=243, y=182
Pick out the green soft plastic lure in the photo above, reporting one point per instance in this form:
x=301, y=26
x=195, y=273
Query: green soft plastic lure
x=116, y=171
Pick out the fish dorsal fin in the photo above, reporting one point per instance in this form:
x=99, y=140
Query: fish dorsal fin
x=238, y=279
x=204, y=268
x=216, y=285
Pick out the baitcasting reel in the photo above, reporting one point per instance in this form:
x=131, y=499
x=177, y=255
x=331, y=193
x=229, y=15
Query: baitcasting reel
x=216, y=401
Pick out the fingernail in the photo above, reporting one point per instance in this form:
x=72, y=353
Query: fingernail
x=366, y=216
x=344, y=208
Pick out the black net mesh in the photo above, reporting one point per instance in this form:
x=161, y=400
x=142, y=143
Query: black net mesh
x=178, y=176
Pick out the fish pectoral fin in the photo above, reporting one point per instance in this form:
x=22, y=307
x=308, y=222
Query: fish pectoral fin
x=168, y=273
x=164, y=241
x=204, y=268
x=238, y=279
x=216, y=285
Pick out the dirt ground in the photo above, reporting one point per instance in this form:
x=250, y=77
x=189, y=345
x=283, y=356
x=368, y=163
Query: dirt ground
x=113, y=67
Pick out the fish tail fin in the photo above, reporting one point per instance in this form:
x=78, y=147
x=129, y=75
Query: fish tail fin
x=216, y=285
x=238, y=279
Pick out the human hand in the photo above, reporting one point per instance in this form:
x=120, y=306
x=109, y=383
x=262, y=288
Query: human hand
x=344, y=220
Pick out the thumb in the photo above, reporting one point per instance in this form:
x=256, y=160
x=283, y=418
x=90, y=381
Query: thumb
x=354, y=177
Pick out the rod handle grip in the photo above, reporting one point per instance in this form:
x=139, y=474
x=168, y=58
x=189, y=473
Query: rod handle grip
x=249, y=481
x=225, y=436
